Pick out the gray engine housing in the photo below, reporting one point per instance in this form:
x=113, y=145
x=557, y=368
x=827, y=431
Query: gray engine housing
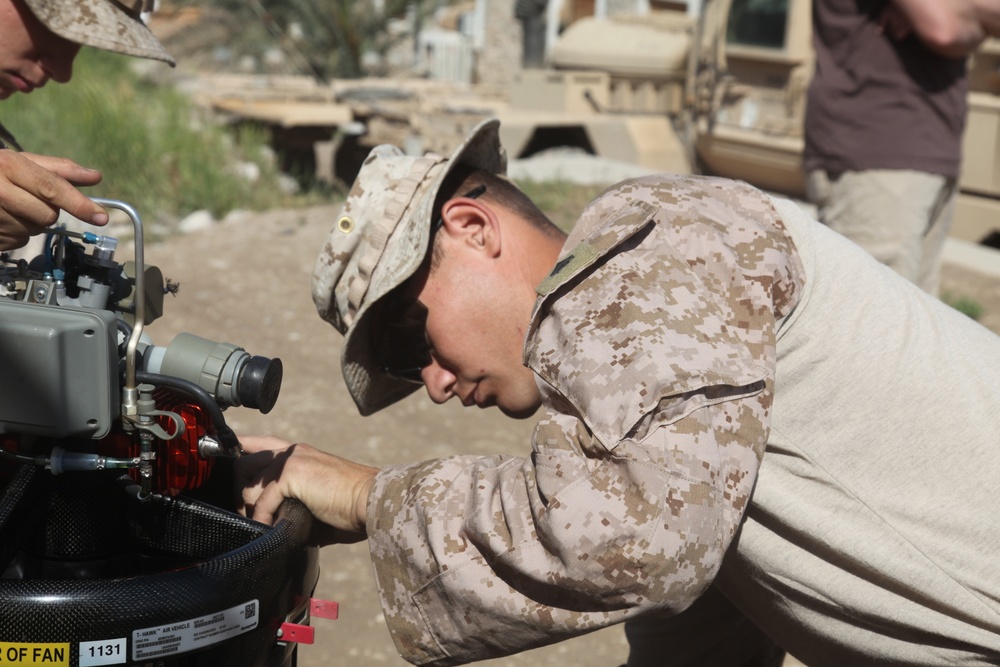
x=59, y=366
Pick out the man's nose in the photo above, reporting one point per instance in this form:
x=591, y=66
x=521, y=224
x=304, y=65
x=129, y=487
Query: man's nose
x=58, y=62
x=440, y=382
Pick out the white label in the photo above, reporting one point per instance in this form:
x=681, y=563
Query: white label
x=107, y=652
x=184, y=636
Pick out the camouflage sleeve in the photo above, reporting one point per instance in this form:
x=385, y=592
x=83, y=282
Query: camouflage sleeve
x=653, y=344
x=477, y=558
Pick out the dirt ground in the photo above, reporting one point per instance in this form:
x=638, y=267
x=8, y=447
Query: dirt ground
x=246, y=281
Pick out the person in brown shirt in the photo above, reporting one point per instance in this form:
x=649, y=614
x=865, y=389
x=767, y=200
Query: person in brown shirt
x=884, y=121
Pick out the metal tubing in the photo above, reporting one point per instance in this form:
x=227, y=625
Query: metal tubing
x=130, y=393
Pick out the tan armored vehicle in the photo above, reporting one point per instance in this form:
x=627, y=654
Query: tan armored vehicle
x=723, y=93
x=711, y=86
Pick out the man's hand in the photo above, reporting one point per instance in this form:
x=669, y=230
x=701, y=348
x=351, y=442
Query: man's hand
x=33, y=188
x=335, y=490
x=952, y=29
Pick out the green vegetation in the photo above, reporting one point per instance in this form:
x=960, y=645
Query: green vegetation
x=327, y=38
x=963, y=305
x=562, y=201
x=155, y=149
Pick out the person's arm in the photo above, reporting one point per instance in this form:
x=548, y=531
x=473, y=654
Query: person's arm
x=477, y=558
x=334, y=489
x=545, y=548
x=34, y=188
x=952, y=29
x=988, y=12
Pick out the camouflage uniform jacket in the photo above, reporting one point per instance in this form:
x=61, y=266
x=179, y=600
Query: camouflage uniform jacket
x=653, y=344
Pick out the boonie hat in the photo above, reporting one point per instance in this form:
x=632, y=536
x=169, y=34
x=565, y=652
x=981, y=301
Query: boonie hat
x=379, y=240
x=111, y=25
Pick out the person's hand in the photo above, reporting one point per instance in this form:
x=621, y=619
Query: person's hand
x=33, y=188
x=951, y=29
x=335, y=490
x=988, y=12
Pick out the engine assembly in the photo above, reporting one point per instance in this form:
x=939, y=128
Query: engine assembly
x=118, y=542
x=78, y=367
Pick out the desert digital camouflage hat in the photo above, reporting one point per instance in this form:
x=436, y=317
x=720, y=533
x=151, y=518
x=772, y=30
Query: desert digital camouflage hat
x=379, y=240
x=111, y=25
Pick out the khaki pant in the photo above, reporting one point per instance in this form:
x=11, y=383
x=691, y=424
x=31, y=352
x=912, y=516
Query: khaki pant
x=899, y=216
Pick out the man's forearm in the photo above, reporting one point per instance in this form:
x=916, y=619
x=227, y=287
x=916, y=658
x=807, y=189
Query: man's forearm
x=952, y=29
x=988, y=13
x=481, y=557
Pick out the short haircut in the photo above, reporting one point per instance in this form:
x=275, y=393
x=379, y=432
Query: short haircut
x=499, y=190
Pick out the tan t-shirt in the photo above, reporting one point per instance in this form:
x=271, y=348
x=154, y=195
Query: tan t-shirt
x=688, y=324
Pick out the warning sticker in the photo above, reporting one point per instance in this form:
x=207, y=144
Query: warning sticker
x=34, y=654
x=196, y=633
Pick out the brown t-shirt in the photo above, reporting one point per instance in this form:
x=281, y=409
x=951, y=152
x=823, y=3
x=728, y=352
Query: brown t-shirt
x=879, y=104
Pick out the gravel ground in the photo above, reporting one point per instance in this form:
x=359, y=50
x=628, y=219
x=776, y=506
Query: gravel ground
x=246, y=281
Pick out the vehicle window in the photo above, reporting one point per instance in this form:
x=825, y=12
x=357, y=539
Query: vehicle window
x=758, y=23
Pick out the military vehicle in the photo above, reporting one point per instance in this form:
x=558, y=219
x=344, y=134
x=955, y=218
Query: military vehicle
x=722, y=93
x=720, y=90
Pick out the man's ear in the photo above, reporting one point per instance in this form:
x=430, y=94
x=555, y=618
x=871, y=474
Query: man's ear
x=473, y=222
